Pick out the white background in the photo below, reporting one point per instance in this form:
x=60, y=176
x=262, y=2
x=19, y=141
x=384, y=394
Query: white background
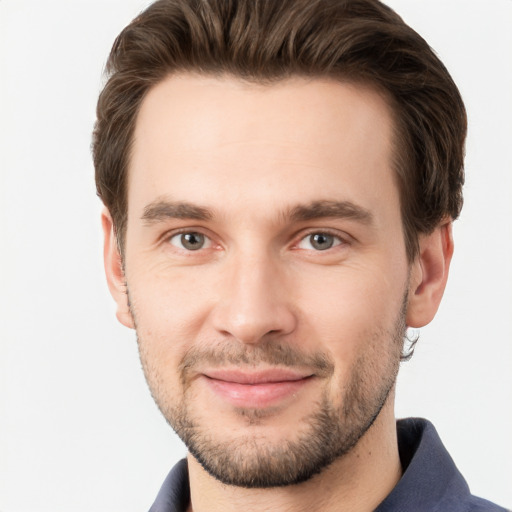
x=78, y=429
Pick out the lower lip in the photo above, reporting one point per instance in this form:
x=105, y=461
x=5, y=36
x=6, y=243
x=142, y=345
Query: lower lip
x=256, y=395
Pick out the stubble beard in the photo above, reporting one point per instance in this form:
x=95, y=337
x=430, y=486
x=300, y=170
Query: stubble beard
x=329, y=432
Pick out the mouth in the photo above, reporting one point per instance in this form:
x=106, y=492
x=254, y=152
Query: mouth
x=256, y=389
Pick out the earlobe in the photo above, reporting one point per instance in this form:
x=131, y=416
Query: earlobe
x=429, y=274
x=114, y=271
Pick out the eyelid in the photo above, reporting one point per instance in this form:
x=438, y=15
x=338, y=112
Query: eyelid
x=166, y=237
x=207, y=241
x=343, y=238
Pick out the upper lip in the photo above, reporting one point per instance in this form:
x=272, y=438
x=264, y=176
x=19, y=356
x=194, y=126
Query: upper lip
x=265, y=376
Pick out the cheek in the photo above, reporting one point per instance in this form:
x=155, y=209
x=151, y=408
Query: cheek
x=170, y=309
x=350, y=312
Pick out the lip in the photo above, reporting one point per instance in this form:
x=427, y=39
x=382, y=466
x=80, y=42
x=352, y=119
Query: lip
x=271, y=375
x=256, y=389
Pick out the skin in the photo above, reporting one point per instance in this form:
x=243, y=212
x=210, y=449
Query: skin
x=249, y=156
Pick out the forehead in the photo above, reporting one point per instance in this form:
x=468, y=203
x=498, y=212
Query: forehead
x=212, y=139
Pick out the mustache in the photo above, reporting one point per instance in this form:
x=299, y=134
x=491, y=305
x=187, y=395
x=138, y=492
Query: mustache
x=270, y=353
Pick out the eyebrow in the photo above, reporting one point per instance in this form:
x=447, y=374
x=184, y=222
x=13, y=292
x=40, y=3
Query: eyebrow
x=330, y=209
x=163, y=209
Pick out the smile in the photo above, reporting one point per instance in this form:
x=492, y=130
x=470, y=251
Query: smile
x=255, y=389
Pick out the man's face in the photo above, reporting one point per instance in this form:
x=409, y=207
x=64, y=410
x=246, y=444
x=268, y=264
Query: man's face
x=266, y=269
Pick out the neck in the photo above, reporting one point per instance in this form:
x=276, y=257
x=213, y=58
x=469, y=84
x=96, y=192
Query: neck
x=358, y=481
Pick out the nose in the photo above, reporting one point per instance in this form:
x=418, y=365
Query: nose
x=255, y=303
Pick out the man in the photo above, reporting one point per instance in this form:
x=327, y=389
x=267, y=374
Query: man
x=280, y=180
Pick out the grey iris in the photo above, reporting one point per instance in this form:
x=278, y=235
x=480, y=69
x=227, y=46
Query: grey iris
x=321, y=241
x=192, y=241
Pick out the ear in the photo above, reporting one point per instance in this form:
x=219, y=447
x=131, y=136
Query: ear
x=429, y=274
x=114, y=271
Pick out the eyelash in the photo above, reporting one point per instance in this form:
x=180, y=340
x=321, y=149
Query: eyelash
x=188, y=231
x=339, y=240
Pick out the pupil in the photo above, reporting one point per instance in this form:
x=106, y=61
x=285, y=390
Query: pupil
x=192, y=241
x=321, y=241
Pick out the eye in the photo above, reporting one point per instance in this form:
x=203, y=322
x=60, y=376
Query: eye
x=190, y=241
x=319, y=241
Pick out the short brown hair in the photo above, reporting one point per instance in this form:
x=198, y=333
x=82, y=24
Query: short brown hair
x=267, y=40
